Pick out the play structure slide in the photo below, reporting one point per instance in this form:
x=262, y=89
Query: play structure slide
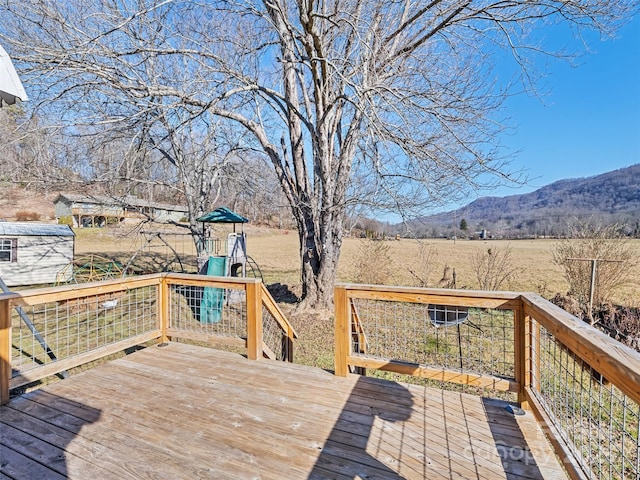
x=213, y=298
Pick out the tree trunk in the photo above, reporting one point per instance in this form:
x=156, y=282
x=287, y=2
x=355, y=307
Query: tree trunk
x=320, y=244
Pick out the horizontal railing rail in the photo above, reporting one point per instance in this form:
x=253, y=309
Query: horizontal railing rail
x=47, y=331
x=615, y=361
x=583, y=386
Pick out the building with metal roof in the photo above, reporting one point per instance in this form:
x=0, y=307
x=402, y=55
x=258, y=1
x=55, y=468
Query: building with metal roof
x=35, y=229
x=98, y=210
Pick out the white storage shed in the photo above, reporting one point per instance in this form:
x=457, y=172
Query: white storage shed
x=35, y=253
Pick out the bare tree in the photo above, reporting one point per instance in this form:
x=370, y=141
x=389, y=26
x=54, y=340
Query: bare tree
x=493, y=267
x=595, y=248
x=399, y=93
x=197, y=155
x=27, y=153
x=12, y=144
x=250, y=187
x=86, y=62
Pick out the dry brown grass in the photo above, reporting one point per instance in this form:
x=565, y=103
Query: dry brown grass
x=27, y=216
x=276, y=251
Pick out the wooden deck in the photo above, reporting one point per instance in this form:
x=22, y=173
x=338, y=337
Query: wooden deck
x=184, y=412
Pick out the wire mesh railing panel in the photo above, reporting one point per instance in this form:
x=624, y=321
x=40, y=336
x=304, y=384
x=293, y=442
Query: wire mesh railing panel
x=596, y=420
x=273, y=336
x=208, y=310
x=46, y=332
x=470, y=340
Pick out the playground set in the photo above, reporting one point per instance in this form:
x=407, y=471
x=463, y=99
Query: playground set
x=207, y=304
x=213, y=257
x=171, y=251
x=233, y=263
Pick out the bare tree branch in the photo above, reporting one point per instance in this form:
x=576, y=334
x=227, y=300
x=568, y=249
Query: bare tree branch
x=389, y=104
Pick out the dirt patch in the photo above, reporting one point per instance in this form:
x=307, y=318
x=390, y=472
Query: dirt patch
x=15, y=200
x=619, y=322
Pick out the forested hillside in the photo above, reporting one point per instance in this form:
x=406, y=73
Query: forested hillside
x=610, y=197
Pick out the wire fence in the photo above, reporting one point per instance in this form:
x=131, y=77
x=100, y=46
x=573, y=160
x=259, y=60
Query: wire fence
x=274, y=337
x=470, y=340
x=208, y=311
x=597, y=421
x=57, y=330
x=51, y=331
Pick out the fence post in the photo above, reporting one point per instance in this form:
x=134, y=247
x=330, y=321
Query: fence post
x=522, y=353
x=5, y=350
x=163, y=310
x=535, y=353
x=289, y=345
x=342, y=330
x=254, y=321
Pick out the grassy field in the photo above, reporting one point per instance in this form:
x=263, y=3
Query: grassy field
x=276, y=252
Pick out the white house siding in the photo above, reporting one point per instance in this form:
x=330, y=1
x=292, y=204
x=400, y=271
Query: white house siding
x=41, y=258
x=161, y=215
x=63, y=208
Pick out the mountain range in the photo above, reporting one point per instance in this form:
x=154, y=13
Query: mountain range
x=610, y=197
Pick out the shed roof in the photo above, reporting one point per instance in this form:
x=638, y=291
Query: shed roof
x=35, y=229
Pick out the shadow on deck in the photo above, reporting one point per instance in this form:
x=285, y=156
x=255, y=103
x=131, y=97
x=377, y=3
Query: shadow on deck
x=190, y=412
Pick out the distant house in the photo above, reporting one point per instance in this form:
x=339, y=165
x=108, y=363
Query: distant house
x=98, y=211
x=35, y=253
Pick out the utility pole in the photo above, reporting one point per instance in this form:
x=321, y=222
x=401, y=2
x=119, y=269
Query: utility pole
x=455, y=227
x=594, y=267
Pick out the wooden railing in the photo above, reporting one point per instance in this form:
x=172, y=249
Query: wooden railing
x=73, y=325
x=582, y=386
x=382, y=299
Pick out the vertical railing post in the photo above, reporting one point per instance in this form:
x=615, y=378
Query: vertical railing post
x=342, y=330
x=521, y=354
x=164, y=308
x=527, y=359
x=254, y=321
x=532, y=351
x=5, y=350
x=535, y=354
x=289, y=349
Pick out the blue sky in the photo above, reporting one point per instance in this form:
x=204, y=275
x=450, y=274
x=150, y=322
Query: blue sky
x=588, y=123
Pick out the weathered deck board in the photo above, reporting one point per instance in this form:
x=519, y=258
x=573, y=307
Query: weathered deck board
x=189, y=412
